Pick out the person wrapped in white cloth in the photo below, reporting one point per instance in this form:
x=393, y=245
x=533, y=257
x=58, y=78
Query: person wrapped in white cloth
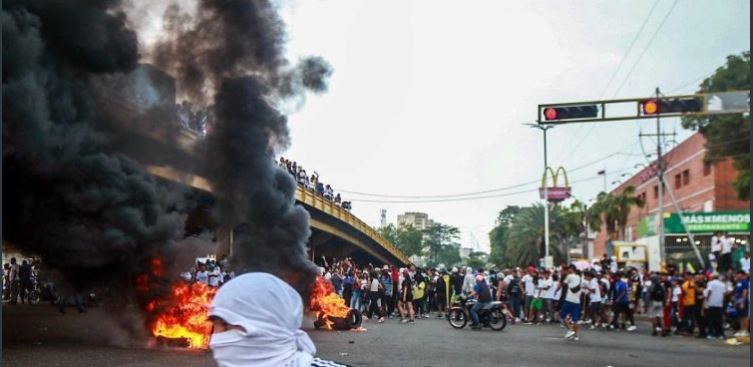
x=257, y=322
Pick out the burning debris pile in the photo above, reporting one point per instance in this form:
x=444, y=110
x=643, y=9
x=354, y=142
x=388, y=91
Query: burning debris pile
x=330, y=309
x=94, y=214
x=183, y=315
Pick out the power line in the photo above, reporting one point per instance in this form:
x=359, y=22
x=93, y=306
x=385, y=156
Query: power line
x=630, y=48
x=630, y=72
x=479, y=192
x=645, y=48
x=624, y=169
x=614, y=74
x=690, y=83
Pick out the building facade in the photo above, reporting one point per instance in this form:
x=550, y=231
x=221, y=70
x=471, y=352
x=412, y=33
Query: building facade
x=702, y=190
x=416, y=219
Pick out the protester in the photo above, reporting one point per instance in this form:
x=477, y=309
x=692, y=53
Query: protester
x=742, y=289
x=570, y=311
x=714, y=302
x=405, y=304
x=257, y=321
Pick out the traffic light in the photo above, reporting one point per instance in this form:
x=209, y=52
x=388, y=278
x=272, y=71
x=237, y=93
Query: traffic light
x=570, y=112
x=671, y=106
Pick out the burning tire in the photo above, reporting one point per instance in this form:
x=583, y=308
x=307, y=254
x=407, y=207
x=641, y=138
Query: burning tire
x=351, y=321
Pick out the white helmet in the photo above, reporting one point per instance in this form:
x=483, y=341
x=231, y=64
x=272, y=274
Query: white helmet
x=454, y=269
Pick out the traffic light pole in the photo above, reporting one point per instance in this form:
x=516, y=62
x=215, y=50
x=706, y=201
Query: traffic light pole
x=544, y=128
x=660, y=189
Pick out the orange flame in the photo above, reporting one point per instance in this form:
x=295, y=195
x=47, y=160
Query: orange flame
x=184, y=315
x=326, y=303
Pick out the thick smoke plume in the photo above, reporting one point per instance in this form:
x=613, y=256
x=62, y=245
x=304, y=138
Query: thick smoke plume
x=92, y=214
x=231, y=57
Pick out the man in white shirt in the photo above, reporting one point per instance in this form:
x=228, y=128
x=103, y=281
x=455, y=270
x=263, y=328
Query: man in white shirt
x=716, y=246
x=714, y=301
x=570, y=311
x=202, y=276
x=530, y=290
x=594, y=299
x=547, y=293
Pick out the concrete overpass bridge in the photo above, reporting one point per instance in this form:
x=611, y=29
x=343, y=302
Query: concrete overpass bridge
x=335, y=231
x=171, y=152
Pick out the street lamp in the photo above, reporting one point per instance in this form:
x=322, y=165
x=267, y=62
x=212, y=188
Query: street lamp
x=544, y=128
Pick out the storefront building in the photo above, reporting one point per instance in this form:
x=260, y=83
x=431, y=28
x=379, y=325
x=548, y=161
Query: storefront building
x=704, y=193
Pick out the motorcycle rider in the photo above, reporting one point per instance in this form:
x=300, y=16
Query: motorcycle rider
x=482, y=293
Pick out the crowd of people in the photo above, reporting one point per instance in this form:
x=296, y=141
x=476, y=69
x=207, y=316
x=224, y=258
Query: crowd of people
x=701, y=304
x=313, y=183
x=19, y=280
x=210, y=272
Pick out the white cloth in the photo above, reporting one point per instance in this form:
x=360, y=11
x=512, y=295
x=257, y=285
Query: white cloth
x=468, y=282
x=745, y=265
x=726, y=245
x=572, y=280
x=528, y=282
x=676, y=292
x=270, y=312
x=715, y=297
x=594, y=290
x=202, y=276
x=716, y=244
x=547, y=288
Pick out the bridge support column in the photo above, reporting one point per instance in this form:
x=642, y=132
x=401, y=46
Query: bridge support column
x=224, y=237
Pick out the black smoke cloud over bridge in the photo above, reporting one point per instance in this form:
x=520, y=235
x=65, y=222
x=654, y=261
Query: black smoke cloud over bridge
x=94, y=214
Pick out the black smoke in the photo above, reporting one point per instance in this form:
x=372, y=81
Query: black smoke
x=89, y=212
x=230, y=56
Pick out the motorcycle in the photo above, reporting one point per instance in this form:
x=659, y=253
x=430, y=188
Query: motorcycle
x=490, y=316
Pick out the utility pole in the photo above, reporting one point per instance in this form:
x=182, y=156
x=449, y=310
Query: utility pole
x=660, y=169
x=544, y=128
x=660, y=164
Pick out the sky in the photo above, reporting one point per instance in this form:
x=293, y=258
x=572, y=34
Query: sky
x=429, y=98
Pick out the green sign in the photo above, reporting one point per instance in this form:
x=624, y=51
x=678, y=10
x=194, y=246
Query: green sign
x=647, y=226
x=708, y=222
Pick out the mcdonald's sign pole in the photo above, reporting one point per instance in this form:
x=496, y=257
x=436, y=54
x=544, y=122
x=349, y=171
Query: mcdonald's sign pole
x=544, y=128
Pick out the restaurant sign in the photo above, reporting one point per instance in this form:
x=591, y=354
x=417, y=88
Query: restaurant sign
x=699, y=222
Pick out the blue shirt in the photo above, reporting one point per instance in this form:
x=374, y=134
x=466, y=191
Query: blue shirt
x=741, y=285
x=620, y=287
x=386, y=280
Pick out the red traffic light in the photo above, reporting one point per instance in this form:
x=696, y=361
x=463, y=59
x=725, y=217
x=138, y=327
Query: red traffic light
x=650, y=107
x=550, y=114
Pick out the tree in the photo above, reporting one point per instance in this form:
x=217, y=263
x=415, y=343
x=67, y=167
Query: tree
x=727, y=135
x=405, y=237
x=498, y=235
x=437, y=238
x=613, y=210
x=476, y=259
x=525, y=239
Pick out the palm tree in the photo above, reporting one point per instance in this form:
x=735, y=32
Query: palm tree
x=613, y=210
x=525, y=238
x=623, y=204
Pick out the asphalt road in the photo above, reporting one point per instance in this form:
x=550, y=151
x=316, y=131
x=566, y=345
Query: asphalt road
x=38, y=336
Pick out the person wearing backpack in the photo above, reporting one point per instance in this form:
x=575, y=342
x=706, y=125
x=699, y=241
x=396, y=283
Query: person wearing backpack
x=657, y=296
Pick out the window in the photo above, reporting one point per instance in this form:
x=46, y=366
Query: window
x=706, y=168
x=685, y=177
x=656, y=192
x=678, y=181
